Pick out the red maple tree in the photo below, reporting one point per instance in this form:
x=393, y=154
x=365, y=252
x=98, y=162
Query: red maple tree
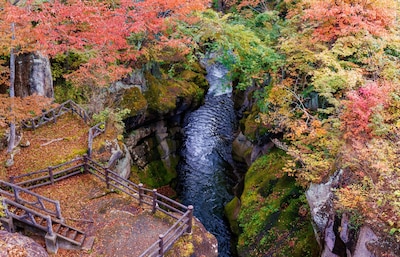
x=333, y=19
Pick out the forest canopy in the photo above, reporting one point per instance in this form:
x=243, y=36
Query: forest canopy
x=326, y=73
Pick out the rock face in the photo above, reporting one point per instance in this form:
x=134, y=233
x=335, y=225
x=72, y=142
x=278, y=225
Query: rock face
x=200, y=243
x=337, y=235
x=33, y=75
x=154, y=151
x=14, y=244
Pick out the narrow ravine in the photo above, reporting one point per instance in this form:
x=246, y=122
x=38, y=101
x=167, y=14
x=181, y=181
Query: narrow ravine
x=206, y=166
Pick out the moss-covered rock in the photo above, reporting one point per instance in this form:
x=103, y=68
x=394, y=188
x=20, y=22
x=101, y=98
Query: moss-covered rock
x=274, y=218
x=163, y=94
x=156, y=174
x=133, y=100
x=232, y=210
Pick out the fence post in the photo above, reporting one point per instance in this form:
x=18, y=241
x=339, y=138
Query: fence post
x=85, y=163
x=140, y=193
x=12, y=180
x=33, y=124
x=154, y=200
x=161, y=245
x=190, y=219
x=54, y=115
x=16, y=194
x=107, y=179
x=51, y=174
x=90, y=142
x=58, y=211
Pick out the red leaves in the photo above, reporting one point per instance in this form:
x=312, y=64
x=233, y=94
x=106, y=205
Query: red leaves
x=359, y=109
x=333, y=19
x=100, y=29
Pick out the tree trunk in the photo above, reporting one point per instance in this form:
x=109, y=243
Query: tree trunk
x=11, y=139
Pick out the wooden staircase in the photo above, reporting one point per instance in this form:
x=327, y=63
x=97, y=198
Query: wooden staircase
x=57, y=233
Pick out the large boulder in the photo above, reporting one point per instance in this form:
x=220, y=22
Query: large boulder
x=17, y=245
x=33, y=75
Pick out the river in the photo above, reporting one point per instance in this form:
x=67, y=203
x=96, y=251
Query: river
x=206, y=170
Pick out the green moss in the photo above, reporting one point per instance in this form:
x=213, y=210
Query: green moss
x=253, y=129
x=231, y=212
x=134, y=100
x=156, y=174
x=163, y=94
x=269, y=218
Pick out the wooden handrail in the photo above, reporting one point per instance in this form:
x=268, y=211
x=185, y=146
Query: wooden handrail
x=28, y=216
x=183, y=214
x=52, y=115
x=39, y=201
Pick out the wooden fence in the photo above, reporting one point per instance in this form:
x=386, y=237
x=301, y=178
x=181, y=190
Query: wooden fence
x=50, y=175
x=26, y=197
x=183, y=215
x=53, y=114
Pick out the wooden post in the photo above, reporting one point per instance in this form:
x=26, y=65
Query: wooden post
x=190, y=219
x=154, y=200
x=140, y=193
x=107, y=178
x=90, y=142
x=49, y=226
x=58, y=212
x=161, y=245
x=85, y=163
x=51, y=174
x=16, y=194
x=33, y=124
x=54, y=115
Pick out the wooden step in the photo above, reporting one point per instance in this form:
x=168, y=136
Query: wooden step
x=88, y=243
x=63, y=231
x=56, y=227
x=72, y=234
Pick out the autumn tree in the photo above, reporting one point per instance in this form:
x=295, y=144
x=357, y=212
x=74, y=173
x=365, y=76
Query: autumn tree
x=113, y=37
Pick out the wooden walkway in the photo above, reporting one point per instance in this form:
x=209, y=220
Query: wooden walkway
x=24, y=208
x=51, y=223
x=182, y=214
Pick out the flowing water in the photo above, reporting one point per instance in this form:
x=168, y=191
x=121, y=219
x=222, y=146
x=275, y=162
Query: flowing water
x=206, y=167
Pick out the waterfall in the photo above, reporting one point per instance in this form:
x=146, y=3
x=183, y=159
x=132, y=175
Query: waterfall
x=206, y=167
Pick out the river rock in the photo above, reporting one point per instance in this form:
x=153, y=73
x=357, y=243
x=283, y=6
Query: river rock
x=14, y=244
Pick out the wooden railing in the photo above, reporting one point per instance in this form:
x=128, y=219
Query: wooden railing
x=183, y=215
x=28, y=216
x=53, y=114
x=50, y=175
x=26, y=197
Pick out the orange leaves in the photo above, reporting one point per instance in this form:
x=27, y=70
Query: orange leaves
x=16, y=109
x=333, y=19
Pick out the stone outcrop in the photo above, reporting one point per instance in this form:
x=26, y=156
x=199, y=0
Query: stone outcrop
x=200, y=243
x=337, y=234
x=120, y=160
x=33, y=75
x=14, y=244
x=154, y=151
